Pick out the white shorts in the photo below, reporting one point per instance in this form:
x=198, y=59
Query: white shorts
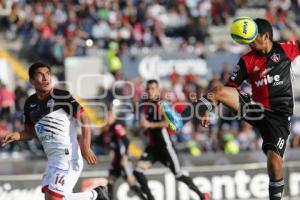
x=59, y=181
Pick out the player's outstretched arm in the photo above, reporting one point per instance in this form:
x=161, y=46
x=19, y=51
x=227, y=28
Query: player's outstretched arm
x=27, y=134
x=86, y=150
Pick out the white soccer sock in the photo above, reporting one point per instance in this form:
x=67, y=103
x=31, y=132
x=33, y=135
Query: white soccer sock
x=88, y=195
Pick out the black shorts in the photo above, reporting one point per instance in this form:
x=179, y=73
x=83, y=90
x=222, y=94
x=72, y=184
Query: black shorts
x=165, y=154
x=118, y=170
x=273, y=127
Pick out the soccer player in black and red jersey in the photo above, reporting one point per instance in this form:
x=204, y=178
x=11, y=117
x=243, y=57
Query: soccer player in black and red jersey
x=267, y=68
x=120, y=165
x=160, y=147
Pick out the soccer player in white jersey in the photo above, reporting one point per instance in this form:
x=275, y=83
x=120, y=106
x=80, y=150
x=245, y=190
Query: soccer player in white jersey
x=50, y=115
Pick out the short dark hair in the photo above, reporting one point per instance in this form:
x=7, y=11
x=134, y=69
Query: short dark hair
x=264, y=26
x=151, y=81
x=35, y=66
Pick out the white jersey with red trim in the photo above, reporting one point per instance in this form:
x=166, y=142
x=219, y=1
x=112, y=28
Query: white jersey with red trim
x=54, y=121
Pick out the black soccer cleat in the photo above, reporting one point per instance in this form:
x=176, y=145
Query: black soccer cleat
x=102, y=193
x=138, y=191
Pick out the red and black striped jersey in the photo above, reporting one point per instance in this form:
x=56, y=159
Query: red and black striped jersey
x=269, y=76
x=151, y=112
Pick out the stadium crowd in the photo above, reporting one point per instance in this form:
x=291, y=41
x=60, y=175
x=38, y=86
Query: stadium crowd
x=53, y=30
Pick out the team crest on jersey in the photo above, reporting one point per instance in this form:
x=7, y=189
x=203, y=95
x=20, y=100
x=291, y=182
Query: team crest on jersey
x=275, y=57
x=50, y=103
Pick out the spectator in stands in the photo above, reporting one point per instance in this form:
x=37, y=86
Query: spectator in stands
x=7, y=99
x=20, y=97
x=228, y=140
x=295, y=137
x=247, y=138
x=113, y=59
x=201, y=32
x=4, y=129
x=295, y=7
x=219, y=12
x=15, y=147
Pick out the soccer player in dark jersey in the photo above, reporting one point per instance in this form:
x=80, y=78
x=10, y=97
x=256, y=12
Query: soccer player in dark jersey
x=267, y=68
x=50, y=115
x=120, y=165
x=160, y=147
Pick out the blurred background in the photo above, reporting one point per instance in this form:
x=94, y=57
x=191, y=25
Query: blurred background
x=103, y=51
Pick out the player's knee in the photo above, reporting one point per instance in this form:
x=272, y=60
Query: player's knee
x=219, y=92
x=138, y=170
x=130, y=179
x=142, y=165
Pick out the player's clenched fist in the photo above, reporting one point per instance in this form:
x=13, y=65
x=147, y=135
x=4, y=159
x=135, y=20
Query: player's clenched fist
x=10, y=138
